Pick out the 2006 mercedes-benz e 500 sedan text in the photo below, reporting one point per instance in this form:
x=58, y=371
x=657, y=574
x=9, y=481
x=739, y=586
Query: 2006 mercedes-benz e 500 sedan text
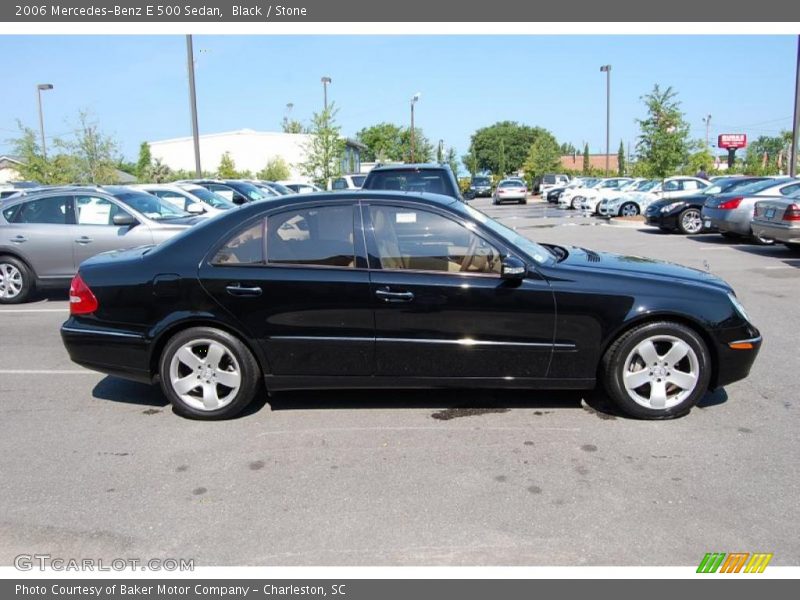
x=380, y=289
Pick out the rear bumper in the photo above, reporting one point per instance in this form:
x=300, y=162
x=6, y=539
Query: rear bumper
x=777, y=231
x=115, y=352
x=726, y=220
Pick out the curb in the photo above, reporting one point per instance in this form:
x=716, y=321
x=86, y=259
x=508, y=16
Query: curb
x=631, y=224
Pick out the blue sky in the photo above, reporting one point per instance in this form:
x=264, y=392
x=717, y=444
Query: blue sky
x=136, y=86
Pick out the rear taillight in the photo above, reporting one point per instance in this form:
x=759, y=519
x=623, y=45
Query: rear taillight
x=792, y=213
x=730, y=204
x=81, y=298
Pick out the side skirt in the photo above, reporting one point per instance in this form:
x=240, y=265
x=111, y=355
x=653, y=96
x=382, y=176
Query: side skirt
x=298, y=382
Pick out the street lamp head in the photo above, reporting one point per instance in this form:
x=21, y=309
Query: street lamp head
x=44, y=86
x=605, y=68
x=326, y=80
x=415, y=97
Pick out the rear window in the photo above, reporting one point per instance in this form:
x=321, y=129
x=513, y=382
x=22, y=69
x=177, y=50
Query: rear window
x=51, y=211
x=510, y=184
x=480, y=181
x=421, y=181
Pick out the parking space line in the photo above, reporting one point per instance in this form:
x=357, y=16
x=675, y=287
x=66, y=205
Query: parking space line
x=34, y=310
x=47, y=372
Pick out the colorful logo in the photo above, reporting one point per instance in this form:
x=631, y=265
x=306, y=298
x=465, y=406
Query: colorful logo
x=734, y=562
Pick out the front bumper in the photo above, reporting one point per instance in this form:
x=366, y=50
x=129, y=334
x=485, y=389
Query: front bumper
x=737, y=349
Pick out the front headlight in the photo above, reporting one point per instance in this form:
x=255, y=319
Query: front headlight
x=671, y=206
x=738, y=306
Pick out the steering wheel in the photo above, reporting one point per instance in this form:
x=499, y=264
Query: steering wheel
x=470, y=256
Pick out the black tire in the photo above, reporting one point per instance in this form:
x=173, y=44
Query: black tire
x=665, y=229
x=249, y=371
x=734, y=237
x=761, y=241
x=792, y=246
x=629, y=205
x=687, y=216
x=613, y=367
x=22, y=283
x=523, y=201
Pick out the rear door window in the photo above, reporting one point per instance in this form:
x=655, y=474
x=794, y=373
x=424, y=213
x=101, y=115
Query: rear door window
x=319, y=236
x=52, y=210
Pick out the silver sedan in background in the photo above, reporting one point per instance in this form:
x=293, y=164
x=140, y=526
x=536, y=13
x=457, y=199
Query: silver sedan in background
x=778, y=220
x=510, y=190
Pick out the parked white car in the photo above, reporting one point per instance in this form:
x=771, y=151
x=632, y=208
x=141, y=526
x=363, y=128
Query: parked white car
x=631, y=201
x=347, y=182
x=301, y=187
x=190, y=197
x=551, y=180
x=573, y=189
x=591, y=197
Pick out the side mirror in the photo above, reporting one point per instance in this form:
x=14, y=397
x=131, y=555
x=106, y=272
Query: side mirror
x=124, y=220
x=195, y=208
x=513, y=268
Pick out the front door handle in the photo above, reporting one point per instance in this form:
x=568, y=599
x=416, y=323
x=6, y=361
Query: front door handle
x=236, y=289
x=19, y=239
x=83, y=240
x=388, y=296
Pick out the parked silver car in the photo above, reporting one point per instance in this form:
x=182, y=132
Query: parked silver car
x=732, y=213
x=46, y=235
x=778, y=219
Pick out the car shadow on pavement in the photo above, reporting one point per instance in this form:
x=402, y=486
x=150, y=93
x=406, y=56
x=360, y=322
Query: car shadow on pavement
x=446, y=404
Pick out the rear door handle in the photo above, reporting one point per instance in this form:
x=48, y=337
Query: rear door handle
x=19, y=239
x=236, y=289
x=388, y=296
x=84, y=240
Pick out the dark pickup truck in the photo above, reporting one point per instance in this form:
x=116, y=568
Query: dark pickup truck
x=417, y=178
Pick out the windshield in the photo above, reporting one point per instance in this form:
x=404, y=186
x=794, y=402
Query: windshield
x=536, y=251
x=210, y=198
x=151, y=206
x=249, y=190
x=647, y=185
x=280, y=188
x=726, y=185
x=480, y=181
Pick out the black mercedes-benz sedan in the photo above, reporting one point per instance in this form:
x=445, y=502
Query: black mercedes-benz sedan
x=387, y=290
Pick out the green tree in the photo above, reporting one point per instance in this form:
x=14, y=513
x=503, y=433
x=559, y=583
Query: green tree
x=663, y=143
x=452, y=160
x=768, y=155
x=275, y=170
x=621, y=159
x=423, y=149
x=543, y=157
x=568, y=148
x=501, y=159
x=325, y=147
x=587, y=163
x=471, y=162
x=158, y=172
x=144, y=162
x=517, y=140
x=92, y=153
x=292, y=126
x=384, y=142
x=33, y=165
x=227, y=167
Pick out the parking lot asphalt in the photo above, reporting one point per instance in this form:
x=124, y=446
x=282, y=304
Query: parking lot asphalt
x=93, y=466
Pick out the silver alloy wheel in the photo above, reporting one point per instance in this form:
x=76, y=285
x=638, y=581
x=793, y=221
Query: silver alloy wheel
x=205, y=374
x=10, y=281
x=661, y=372
x=629, y=210
x=692, y=221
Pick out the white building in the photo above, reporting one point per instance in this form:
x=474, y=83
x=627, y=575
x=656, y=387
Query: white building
x=9, y=168
x=250, y=151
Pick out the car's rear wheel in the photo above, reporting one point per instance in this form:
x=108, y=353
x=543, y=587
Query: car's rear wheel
x=16, y=280
x=657, y=370
x=575, y=204
x=761, y=240
x=629, y=209
x=690, y=221
x=208, y=373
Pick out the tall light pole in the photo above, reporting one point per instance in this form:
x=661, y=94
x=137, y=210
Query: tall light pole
x=707, y=121
x=796, y=125
x=325, y=81
x=39, y=89
x=607, y=70
x=193, y=102
x=414, y=100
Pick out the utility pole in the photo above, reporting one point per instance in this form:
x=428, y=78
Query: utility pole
x=607, y=70
x=39, y=89
x=414, y=100
x=707, y=121
x=193, y=102
x=796, y=124
x=325, y=81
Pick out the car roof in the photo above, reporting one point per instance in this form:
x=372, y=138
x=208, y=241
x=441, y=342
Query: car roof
x=410, y=167
x=378, y=195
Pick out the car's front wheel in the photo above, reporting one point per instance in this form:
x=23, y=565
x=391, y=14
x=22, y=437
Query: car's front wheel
x=629, y=209
x=690, y=221
x=16, y=280
x=657, y=370
x=208, y=373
